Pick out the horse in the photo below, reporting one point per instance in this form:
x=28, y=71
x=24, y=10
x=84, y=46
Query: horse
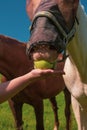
x=59, y=27
x=14, y=63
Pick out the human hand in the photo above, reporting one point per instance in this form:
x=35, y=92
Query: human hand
x=42, y=74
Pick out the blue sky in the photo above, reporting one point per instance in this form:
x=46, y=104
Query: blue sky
x=14, y=21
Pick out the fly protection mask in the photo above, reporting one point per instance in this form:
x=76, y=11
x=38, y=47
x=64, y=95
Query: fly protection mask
x=49, y=28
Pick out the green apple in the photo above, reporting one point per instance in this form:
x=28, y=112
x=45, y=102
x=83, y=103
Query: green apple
x=43, y=64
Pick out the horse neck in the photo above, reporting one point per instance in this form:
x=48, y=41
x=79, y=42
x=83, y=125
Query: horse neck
x=78, y=46
x=10, y=58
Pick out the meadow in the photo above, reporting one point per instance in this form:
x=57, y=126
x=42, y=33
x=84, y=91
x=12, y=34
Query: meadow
x=7, y=120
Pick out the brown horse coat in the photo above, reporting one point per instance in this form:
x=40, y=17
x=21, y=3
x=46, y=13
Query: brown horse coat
x=13, y=63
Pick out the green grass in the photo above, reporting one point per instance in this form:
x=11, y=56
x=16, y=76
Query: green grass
x=7, y=120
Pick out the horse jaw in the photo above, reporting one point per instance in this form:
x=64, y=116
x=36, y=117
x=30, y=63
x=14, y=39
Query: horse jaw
x=68, y=9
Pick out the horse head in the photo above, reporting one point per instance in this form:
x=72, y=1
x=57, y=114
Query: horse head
x=53, y=26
